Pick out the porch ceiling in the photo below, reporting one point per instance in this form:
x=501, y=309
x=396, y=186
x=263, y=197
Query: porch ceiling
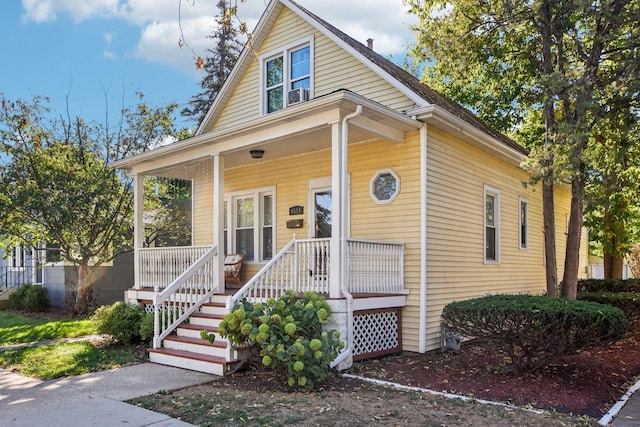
x=299, y=129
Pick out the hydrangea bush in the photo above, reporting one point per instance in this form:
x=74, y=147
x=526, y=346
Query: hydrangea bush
x=286, y=334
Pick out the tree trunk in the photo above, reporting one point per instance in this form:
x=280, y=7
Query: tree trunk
x=572, y=255
x=84, y=292
x=613, y=266
x=551, y=267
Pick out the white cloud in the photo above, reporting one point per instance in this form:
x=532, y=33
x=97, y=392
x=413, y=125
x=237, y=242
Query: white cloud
x=385, y=21
x=107, y=54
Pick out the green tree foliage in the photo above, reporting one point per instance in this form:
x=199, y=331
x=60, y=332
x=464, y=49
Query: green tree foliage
x=566, y=59
x=218, y=65
x=56, y=185
x=167, y=207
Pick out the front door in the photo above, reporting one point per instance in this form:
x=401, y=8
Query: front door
x=322, y=213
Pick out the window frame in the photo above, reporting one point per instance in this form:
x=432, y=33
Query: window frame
x=495, y=193
x=259, y=226
x=285, y=53
x=523, y=228
x=372, y=183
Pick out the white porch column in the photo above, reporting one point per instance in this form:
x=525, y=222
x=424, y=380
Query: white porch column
x=218, y=215
x=138, y=225
x=338, y=176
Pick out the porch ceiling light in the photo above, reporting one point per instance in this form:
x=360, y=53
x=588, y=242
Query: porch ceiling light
x=256, y=154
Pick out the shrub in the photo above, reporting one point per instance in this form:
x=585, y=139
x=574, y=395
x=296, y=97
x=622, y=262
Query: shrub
x=121, y=321
x=609, y=285
x=286, y=335
x=533, y=330
x=30, y=298
x=628, y=302
x=147, y=327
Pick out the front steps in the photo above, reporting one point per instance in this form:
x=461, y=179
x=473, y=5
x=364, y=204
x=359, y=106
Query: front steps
x=187, y=350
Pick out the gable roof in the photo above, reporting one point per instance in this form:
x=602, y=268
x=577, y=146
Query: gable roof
x=409, y=85
x=412, y=83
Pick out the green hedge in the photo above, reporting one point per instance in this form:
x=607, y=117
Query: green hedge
x=533, y=330
x=629, y=302
x=30, y=298
x=124, y=323
x=609, y=285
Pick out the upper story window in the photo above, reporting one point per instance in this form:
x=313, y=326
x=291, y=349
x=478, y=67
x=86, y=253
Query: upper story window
x=491, y=225
x=285, y=70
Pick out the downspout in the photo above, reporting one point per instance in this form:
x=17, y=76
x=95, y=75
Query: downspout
x=348, y=351
x=422, y=341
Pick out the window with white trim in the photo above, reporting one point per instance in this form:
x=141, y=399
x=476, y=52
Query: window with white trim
x=524, y=223
x=384, y=187
x=251, y=219
x=491, y=225
x=287, y=69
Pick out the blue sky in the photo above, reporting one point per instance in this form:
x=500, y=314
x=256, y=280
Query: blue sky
x=86, y=49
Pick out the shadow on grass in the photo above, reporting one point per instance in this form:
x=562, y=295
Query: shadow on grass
x=66, y=359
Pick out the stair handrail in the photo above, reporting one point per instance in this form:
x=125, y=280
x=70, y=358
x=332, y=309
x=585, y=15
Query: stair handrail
x=202, y=295
x=254, y=282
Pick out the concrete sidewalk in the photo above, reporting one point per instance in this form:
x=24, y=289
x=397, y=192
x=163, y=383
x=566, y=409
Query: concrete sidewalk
x=94, y=399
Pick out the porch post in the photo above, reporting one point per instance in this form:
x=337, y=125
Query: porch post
x=218, y=217
x=138, y=226
x=336, y=259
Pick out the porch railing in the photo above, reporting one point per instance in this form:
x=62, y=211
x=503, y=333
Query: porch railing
x=14, y=277
x=304, y=265
x=158, y=267
x=192, y=288
x=374, y=266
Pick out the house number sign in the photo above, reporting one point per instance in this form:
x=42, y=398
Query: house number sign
x=296, y=210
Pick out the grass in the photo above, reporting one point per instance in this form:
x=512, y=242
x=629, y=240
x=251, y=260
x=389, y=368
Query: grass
x=15, y=329
x=65, y=359
x=56, y=360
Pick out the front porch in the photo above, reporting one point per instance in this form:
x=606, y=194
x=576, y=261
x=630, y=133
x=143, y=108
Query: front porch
x=181, y=286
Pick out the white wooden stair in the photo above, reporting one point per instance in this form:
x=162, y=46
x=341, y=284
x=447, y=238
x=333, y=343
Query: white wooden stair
x=187, y=350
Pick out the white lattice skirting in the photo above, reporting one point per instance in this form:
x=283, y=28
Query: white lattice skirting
x=376, y=332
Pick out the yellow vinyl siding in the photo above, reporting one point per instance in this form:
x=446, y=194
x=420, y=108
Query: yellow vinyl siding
x=456, y=270
x=334, y=69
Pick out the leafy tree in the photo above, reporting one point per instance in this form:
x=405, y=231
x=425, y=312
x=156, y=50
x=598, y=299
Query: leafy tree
x=613, y=190
x=56, y=185
x=562, y=58
x=167, y=207
x=223, y=57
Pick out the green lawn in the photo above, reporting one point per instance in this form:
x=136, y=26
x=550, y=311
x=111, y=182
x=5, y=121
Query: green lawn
x=56, y=360
x=63, y=360
x=16, y=329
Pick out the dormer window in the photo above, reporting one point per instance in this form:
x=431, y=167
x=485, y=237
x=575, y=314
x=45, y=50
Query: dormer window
x=283, y=71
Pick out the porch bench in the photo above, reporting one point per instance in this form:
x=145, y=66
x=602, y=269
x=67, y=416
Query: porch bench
x=233, y=268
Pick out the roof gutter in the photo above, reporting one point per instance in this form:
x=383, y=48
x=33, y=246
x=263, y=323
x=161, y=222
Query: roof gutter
x=441, y=118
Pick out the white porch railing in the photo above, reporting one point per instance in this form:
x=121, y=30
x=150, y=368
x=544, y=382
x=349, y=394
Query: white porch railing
x=304, y=265
x=192, y=288
x=375, y=267
x=158, y=267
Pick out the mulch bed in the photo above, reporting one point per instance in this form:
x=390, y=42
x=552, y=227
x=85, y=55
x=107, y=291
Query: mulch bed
x=588, y=383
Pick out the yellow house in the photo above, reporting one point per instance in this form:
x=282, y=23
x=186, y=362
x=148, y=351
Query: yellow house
x=331, y=169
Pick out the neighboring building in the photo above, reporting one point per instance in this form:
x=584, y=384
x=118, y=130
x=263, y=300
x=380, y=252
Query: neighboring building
x=331, y=169
x=43, y=266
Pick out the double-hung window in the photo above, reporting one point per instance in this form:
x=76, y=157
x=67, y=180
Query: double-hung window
x=287, y=69
x=251, y=220
x=491, y=225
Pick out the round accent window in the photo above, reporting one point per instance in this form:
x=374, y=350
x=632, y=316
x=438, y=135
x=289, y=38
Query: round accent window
x=384, y=186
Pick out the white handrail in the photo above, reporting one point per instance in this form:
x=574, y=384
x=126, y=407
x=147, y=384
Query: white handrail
x=192, y=288
x=375, y=266
x=271, y=281
x=159, y=267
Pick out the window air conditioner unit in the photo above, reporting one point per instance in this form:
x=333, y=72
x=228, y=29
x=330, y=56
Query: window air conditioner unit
x=297, y=96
